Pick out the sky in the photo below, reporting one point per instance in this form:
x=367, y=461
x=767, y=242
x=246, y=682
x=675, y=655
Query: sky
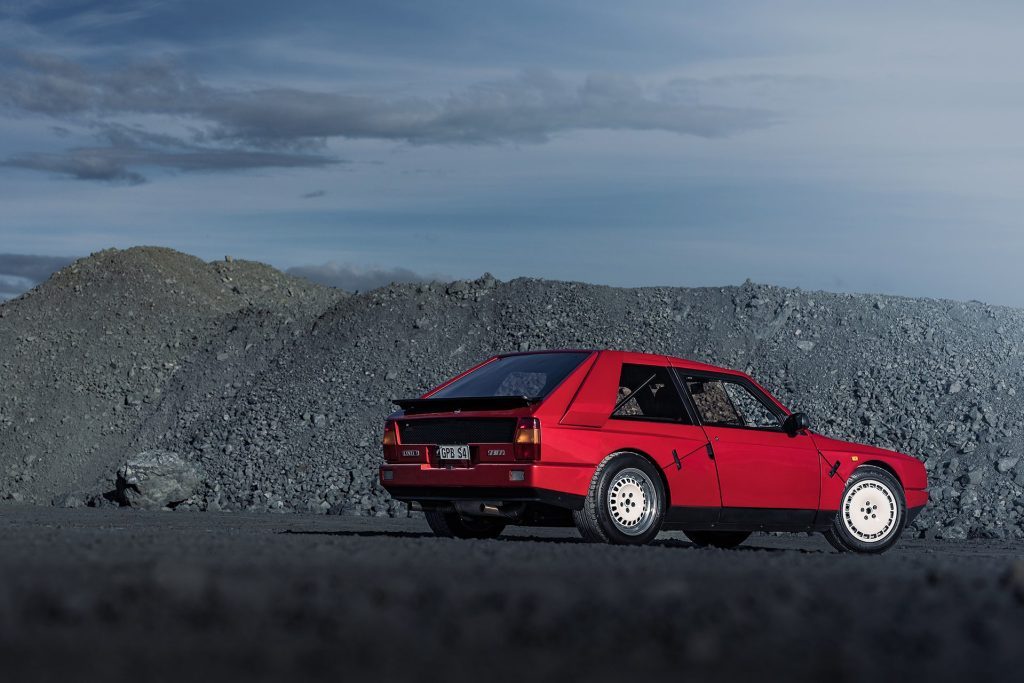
x=851, y=147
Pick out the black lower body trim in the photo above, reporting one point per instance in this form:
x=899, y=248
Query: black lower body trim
x=747, y=519
x=912, y=514
x=508, y=494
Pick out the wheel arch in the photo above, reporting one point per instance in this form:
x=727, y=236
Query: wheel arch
x=882, y=465
x=654, y=463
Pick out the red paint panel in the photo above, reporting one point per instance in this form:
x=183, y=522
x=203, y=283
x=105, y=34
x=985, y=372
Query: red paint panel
x=574, y=480
x=695, y=483
x=555, y=405
x=595, y=399
x=766, y=469
x=832, y=487
x=916, y=498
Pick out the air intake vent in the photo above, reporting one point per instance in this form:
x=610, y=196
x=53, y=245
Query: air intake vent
x=456, y=431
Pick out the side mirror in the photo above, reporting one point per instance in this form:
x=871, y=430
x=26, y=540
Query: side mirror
x=796, y=422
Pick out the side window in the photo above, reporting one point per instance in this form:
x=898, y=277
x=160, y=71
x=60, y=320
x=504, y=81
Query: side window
x=729, y=404
x=751, y=409
x=713, y=405
x=646, y=392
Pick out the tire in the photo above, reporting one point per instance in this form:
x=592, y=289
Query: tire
x=454, y=525
x=718, y=539
x=872, y=512
x=625, y=504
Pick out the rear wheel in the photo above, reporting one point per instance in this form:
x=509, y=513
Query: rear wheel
x=718, y=539
x=454, y=525
x=872, y=513
x=625, y=504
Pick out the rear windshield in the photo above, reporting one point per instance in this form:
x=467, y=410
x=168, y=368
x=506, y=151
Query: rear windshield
x=532, y=375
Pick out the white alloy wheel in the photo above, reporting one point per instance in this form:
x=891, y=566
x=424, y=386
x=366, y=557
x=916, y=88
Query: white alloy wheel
x=632, y=501
x=870, y=511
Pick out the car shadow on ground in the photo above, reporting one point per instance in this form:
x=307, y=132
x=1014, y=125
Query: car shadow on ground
x=363, y=534
x=744, y=548
x=659, y=543
x=427, y=534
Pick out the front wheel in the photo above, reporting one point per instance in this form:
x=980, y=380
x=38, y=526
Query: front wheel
x=718, y=539
x=872, y=513
x=625, y=503
x=454, y=525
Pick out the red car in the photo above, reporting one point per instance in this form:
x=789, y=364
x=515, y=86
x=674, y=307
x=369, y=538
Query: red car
x=623, y=445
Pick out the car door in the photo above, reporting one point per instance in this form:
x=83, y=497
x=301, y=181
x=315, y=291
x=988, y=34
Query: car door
x=651, y=415
x=760, y=466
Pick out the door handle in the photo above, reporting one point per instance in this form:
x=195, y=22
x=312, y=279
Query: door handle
x=711, y=451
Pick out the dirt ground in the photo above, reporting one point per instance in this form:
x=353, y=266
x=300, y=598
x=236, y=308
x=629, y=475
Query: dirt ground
x=124, y=595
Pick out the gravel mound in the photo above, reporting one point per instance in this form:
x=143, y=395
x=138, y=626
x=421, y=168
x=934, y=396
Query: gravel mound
x=85, y=357
x=279, y=398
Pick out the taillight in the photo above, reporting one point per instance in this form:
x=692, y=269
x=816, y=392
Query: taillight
x=390, y=441
x=527, y=441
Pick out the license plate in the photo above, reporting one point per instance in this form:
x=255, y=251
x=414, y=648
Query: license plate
x=453, y=452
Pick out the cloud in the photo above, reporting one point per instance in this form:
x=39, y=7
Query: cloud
x=114, y=163
x=11, y=286
x=78, y=17
x=21, y=272
x=529, y=108
x=82, y=164
x=232, y=126
x=126, y=148
x=357, y=279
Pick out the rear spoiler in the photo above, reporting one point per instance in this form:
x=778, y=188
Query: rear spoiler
x=447, y=405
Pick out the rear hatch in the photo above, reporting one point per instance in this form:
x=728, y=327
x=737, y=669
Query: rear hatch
x=485, y=415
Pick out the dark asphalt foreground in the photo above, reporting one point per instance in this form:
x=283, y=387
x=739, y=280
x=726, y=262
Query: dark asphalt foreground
x=116, y=595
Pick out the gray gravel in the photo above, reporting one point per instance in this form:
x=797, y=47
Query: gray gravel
x=134, y=595
x=88, y=355
x=277, y=388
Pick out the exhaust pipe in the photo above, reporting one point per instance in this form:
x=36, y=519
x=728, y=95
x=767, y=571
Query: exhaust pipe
x=509, y=511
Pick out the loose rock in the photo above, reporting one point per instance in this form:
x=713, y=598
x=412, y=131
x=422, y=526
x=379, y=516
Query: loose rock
x=157, y=479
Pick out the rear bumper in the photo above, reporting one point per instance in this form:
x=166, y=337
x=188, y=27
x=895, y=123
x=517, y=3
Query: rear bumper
x=410, y=494
x=560, y=485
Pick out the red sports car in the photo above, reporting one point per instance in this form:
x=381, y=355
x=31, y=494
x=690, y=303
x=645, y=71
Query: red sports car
x=623, y=445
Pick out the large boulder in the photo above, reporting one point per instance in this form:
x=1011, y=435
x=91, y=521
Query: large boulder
x=157, y=479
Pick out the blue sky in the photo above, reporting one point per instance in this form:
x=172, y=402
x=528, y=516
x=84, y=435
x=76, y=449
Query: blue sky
x=840, y=146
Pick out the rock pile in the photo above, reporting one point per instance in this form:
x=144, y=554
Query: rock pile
x=278, y=388
x=86, y=357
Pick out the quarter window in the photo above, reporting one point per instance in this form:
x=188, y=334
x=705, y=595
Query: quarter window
x=647, y=392
x=730, y=404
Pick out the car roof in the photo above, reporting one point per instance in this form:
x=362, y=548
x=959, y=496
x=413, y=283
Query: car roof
x=640, y=358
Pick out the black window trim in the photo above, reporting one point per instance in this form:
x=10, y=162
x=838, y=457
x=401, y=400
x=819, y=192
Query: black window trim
x=684, y=398
x=682, y=374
